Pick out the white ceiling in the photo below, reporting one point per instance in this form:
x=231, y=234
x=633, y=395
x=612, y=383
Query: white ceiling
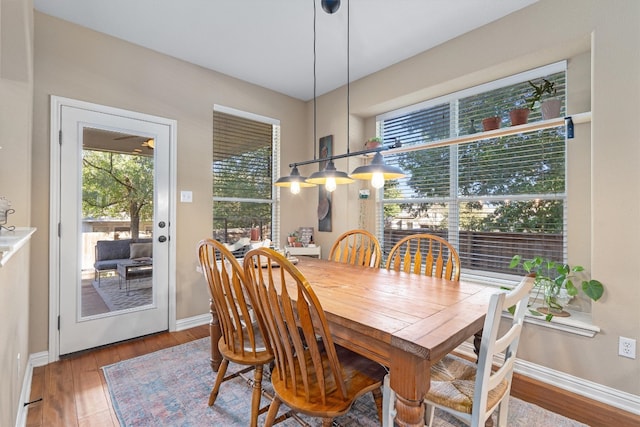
x=270, y=42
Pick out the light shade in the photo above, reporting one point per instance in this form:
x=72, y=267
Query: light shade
x=377, y=168
x=330, y=171
x=293, y=179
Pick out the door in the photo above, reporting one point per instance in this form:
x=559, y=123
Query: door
x=114, y=226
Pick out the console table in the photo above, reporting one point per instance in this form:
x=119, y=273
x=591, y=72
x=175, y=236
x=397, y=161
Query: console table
x=314, y=251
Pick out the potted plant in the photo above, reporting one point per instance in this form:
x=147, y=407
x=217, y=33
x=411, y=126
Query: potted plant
x=550, y=106
x=292, y=239
x=554, y=281
x=491, y=123
x=519, y=115
x=374, y=142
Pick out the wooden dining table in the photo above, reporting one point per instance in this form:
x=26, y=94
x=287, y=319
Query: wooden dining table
x=404, y=321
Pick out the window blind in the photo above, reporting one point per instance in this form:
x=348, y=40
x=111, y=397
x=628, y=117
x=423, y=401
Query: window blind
x=242, y=176
x=491, y=198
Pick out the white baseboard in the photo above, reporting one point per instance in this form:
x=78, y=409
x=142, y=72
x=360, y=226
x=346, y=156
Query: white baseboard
x=36, y=359
x=589, y=389
x=192, y=322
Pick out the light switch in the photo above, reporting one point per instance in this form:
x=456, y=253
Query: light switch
x=186, y=196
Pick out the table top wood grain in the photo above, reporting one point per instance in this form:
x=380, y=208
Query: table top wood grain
x=405, y=321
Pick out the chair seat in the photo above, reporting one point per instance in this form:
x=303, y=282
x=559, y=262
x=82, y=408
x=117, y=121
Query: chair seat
x=262, y=355
x=452, y=385
x=363, y=376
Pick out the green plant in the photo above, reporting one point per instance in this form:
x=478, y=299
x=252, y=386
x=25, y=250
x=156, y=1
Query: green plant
x=539, y=90
x=552, y=277
x=374, y=139
x=293, y=234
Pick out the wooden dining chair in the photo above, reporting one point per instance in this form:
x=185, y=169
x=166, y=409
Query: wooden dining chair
x=470, y=391
x=312, y=375
x=425, y=254
x=357, y=247
x=243, y=332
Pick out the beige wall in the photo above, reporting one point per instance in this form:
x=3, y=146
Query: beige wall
x=601, y=42
x=16, y=105
x=74, y=62
x=602, y=46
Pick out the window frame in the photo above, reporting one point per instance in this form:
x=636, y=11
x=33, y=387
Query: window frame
x=481, y=276
x=275, y=166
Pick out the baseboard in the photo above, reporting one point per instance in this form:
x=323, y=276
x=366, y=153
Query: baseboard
x=36, y=359
x=591, y=390
x=192, y=322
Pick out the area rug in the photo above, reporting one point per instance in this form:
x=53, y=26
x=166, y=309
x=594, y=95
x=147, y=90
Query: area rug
x=171, y=387
x=114, y=294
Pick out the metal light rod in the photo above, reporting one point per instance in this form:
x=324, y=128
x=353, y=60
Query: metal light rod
x=396, y=144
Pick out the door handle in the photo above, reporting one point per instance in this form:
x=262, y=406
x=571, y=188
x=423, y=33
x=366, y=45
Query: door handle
x=162, y=239
x=161, y=224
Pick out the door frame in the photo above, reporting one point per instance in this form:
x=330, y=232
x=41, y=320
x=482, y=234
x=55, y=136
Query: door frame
x=57, y=103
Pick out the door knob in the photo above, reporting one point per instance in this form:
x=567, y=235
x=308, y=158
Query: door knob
x=162, y=239
x=161, y=224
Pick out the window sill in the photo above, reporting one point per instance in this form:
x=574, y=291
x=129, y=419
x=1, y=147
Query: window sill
x=579, y=323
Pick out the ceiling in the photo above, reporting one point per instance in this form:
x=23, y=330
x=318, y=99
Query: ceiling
x=270, y=42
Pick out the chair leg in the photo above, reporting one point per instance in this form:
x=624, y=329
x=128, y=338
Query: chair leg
x=257, y=395
x=429, y=411
x=273, y=411
x=327, y=422
x=219, y=379
x=377, y=398
x=388, y=403
x=503, y=412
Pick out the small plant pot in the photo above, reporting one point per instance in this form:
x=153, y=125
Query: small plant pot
x=368, y=145
x=519, y=116
x=550, y=108
x=292, y=240
x=491, y=123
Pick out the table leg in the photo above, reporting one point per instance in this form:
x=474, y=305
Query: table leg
x=215, y=333
x=410, y=378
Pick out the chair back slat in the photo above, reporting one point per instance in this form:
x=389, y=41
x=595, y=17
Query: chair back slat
x=356, y=247
x=305, y=355
x=425, y=254
x=231, y=299
x=496, y=341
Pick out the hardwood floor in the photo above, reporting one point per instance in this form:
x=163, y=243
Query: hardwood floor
x=73, y=391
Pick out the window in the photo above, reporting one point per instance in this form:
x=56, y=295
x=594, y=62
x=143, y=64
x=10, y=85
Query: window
x=491, y=198
x=243, y=168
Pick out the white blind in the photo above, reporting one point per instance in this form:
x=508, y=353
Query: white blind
x=492, y=198
x=243, y=163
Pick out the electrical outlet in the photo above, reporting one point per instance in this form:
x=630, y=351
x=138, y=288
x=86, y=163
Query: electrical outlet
x=627, y=347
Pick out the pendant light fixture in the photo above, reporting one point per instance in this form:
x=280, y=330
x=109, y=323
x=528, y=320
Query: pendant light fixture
x=294, y=181
x=377, y=171
x=330, y=177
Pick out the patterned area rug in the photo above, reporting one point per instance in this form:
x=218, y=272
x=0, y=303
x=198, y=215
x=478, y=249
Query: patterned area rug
x=171, y=388
x=114, y=293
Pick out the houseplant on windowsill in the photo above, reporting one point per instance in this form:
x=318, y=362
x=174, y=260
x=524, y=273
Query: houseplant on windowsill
x=555, y=282
x=550, y=105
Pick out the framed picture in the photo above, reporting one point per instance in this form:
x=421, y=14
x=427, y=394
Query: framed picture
x=325, y=149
